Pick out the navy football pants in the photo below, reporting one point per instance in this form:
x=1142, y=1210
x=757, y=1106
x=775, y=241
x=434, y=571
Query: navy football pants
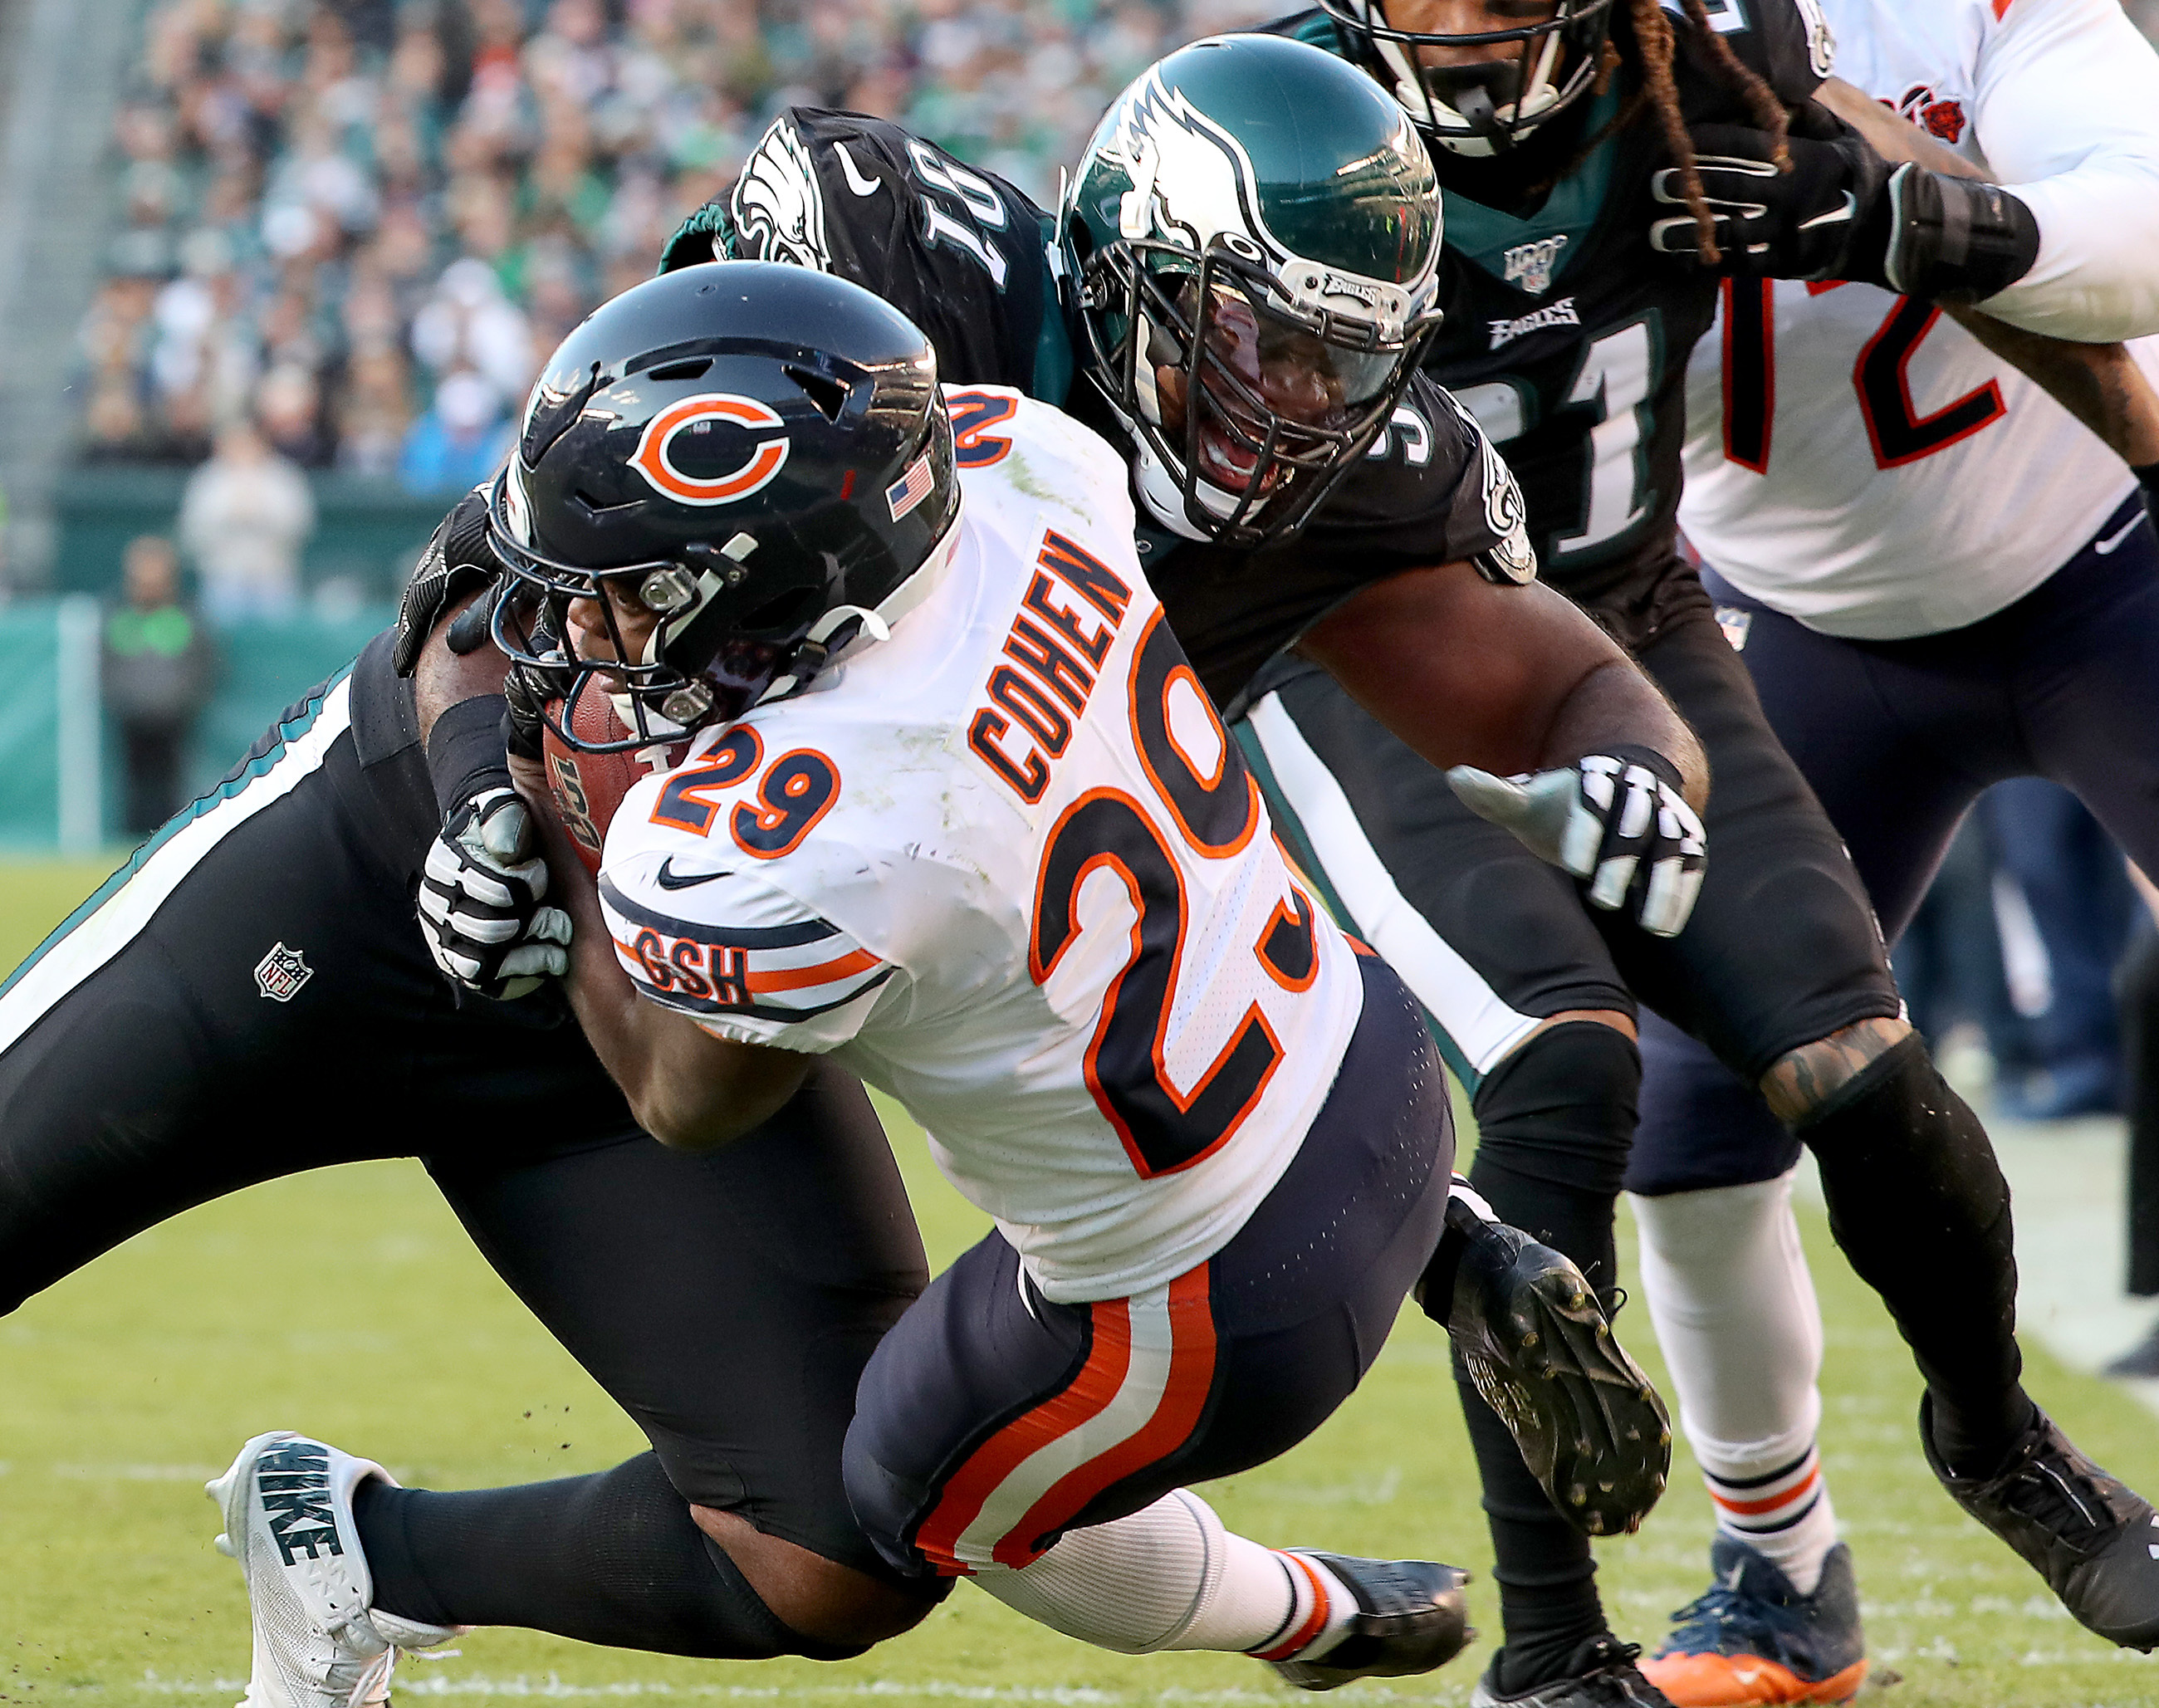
x=1899, y=739
x=993, y=1420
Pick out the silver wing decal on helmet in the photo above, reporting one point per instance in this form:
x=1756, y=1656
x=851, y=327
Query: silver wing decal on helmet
x=779, y=205
x=1192, y=180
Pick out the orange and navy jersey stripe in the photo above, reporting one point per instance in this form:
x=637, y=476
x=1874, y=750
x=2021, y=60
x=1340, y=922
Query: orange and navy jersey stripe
x=1139, y=1396
x=786, y=973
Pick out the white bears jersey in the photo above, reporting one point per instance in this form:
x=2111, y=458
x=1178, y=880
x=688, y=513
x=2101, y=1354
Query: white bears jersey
x=1007, y=866
x=1861, y=464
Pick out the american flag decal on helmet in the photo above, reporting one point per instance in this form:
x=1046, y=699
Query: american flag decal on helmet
x=910, y=488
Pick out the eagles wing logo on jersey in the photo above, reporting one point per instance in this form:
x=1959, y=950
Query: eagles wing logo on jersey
x=779, y=206
x=1506, y=516
x=1513, y=557
x=1822, y=40
x=1530, y=265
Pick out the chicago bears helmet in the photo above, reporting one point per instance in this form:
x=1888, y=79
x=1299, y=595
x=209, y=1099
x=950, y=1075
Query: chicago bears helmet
x=1508, y=86
x=755, y=455
x=1253, y=238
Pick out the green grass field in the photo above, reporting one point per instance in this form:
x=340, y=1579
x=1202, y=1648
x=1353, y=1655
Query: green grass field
x=348, y=1303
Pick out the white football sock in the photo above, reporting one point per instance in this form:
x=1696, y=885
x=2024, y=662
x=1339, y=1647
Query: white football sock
x=1728, y=1288
x=1170, y=1576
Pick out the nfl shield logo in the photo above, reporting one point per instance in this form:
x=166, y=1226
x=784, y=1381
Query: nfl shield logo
x=1530, y=265
x=280, y=974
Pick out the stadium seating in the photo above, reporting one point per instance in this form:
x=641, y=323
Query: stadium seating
x=365, y=222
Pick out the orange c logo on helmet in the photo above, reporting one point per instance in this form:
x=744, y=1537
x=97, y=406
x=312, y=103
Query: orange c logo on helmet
x=652, y=459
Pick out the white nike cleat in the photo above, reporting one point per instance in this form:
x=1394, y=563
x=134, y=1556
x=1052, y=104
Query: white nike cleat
x=287, y=1506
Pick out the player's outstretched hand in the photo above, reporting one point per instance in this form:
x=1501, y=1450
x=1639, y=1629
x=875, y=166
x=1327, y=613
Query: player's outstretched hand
x=1823, y=219
x=1617, y=819
x=479, y=901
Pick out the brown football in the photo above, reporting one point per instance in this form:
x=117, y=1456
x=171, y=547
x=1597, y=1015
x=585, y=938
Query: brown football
x=588, y=787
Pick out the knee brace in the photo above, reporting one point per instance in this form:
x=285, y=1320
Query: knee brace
x=1555, y=1122
x=1918, y=1206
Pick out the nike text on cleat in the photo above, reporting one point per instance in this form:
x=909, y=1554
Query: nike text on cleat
x=287, y=1506
x=2088, y=1534
x=1533, y=1339
x=1601, y=1674
x=1753, y=1638
x=1412, y=1616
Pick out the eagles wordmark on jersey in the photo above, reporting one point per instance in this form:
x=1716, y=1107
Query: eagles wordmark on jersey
x=1568, y=338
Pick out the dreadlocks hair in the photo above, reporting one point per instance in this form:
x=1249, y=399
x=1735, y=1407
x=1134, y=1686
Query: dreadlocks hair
x=1653, y=42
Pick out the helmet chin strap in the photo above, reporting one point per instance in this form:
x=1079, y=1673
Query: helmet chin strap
x=816, y=658
x=662, y=731
x=1160, y=491
x=627, y=708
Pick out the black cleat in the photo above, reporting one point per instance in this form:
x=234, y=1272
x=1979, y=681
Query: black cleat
x=1411, y=1617
x=1533, y=1340
x=1602, y=1674
x=2092, y=1537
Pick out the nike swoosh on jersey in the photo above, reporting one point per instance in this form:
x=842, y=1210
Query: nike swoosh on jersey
x=856, y=182
x=669, y=878
x=2108, y=546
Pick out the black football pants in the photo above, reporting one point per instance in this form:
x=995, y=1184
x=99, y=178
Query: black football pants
x=252, y=998
x=1782, y=949
x=1898, y=737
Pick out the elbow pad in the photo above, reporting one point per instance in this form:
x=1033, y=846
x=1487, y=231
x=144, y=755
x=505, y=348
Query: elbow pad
x=1955, y=240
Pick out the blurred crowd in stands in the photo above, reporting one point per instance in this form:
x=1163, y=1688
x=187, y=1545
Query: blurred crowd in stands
x=357, y=224
x=355, y=228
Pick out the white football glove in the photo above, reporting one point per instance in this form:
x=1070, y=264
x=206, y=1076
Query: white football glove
x=1611, y=819
x=479, y=901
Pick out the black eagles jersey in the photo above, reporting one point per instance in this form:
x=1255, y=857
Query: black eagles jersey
x=1567, y=336
x=972, y=261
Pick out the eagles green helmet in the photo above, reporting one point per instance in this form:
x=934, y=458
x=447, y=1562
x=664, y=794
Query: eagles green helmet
x=1253, y=238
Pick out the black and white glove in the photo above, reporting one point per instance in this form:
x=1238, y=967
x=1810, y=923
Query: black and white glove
x=457, y=561
x=1842, y=212
x=482, y=881
x=1822, y=219
x=479, y=901
x=1616, y=819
